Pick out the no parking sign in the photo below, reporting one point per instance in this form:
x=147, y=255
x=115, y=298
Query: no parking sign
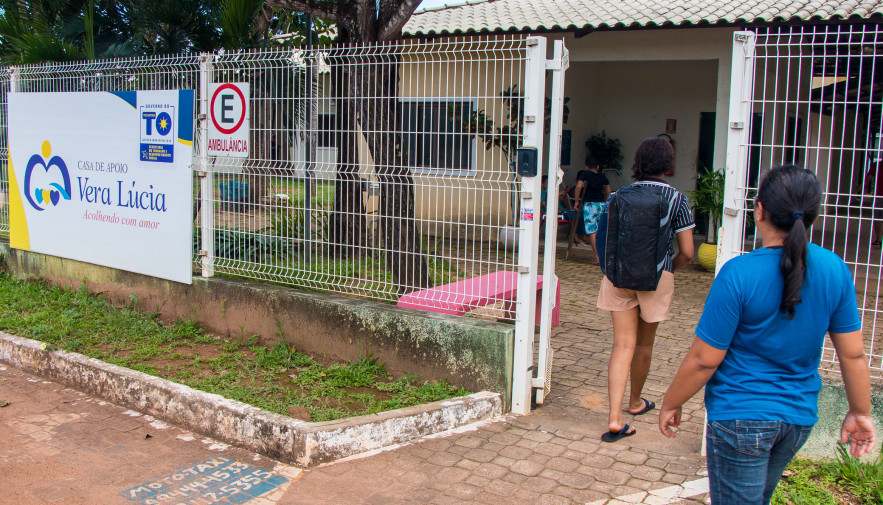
x=228, y=126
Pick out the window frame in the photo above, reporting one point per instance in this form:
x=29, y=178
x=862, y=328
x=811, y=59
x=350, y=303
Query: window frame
x=473, y=141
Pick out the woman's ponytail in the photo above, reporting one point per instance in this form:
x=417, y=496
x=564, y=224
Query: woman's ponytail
x=793, y=265
x=791, y=199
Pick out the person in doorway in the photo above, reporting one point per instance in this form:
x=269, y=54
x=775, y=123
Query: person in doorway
x=592, y=190
x=636, y=314
x=544, y=191
x=758, y=346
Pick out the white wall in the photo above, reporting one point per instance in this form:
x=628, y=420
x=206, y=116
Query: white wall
x=668, y=45
x=631, y=100
x=627, y=83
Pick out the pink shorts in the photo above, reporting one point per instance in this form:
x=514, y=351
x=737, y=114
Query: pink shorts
x=653, y=305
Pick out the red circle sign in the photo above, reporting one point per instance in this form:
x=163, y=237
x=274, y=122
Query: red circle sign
x=221, y=129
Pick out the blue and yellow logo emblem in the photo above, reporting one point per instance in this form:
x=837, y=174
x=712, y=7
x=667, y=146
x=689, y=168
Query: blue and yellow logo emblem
x=163, y=123
x=55, y=180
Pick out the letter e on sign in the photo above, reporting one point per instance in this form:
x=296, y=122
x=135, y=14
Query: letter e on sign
x=228, y=125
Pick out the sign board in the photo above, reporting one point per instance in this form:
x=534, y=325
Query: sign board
x=104, y=178
x=228, y=127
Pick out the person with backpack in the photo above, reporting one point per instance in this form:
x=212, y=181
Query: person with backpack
x=759, y=343
x=640, y=225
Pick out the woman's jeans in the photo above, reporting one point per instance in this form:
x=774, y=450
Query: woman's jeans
x=746, y=458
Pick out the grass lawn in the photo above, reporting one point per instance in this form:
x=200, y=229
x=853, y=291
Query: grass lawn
x=843, y=481
x=277, y=378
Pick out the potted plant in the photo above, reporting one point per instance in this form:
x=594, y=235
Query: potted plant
x=607, y=150
x=506, y=136
x=708, y=199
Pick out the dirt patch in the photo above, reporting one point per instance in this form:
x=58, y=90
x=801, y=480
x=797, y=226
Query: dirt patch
x=593, y=401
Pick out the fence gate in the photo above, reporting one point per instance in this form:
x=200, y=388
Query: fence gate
x=813, y=96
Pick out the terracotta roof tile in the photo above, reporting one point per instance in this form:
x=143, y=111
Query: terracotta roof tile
x=539, y=15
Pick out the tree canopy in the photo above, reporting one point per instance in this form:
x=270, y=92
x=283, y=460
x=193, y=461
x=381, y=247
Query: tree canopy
x=34, y=31
x=358, y=20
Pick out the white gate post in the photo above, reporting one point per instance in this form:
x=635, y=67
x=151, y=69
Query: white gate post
x=557, y=65
x=206, y=183
x=529, y=229
x=730, y=236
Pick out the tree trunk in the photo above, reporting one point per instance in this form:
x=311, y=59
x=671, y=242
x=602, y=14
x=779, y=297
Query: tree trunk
x=367, y=97
x=347, y=222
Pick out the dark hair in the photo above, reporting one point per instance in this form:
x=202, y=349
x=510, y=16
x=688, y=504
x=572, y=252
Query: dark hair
x=791, y=199
x=653, y=157
x=668, y=138
x=592, y=161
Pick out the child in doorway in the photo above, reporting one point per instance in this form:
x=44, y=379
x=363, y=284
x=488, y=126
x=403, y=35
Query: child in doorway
x=592, y=190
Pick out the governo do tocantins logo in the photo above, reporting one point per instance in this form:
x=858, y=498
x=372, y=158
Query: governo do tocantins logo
x=53, y=180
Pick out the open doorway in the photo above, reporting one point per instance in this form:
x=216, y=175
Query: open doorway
x=704, y=161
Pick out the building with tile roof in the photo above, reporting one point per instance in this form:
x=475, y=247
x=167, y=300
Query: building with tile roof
x=534, y=16
x=639, y=68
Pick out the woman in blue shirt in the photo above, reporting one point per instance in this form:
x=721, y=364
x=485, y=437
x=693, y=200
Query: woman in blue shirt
x=759, y=344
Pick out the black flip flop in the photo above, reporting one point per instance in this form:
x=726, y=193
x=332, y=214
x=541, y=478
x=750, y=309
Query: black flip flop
x=648, y=406
x=611, y=436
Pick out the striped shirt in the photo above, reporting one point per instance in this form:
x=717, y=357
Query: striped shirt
x=682, y=217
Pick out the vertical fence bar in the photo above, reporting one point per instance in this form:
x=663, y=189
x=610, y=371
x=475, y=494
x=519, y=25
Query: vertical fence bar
x=5, y=173
x=529, y=229
x=13, y=80
x=557, y=65
x=730, y=243
x=206, y=183
x=310, y=137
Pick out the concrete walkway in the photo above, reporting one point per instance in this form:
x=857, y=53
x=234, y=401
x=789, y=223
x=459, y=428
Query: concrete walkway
x=61, y=446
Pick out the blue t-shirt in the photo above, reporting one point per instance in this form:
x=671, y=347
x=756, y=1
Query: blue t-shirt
x=770, y=372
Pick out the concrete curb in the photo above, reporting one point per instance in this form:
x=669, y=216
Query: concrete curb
x=273, y=435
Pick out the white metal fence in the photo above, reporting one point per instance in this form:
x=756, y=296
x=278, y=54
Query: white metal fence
x=373, y=170
x=813, y=95
x=369, y=171
x=384, y=172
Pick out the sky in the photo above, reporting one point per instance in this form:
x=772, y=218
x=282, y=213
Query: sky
x=438, y=3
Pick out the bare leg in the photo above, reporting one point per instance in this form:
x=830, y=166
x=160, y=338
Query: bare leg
x=625, y=331
x=641, y=362
x=594, y=248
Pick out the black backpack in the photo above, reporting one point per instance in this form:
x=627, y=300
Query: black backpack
x=636, y=236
